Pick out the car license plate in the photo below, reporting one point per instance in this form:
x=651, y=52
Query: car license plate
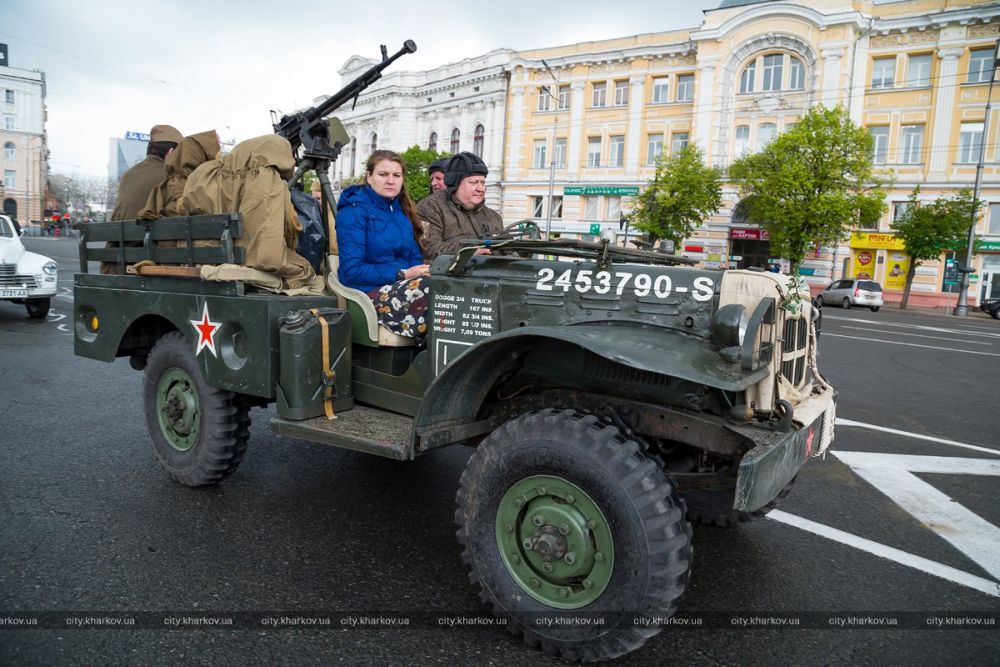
x=13, y=294
x=869, y=296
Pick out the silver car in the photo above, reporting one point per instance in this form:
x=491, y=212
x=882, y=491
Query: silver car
x=852, y=292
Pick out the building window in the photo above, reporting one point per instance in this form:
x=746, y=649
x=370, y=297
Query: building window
x=374, y=145
x=538, y=162
x=9, y=151
x=591, y=208
x=980, y=65
x=616, y=156
x=432, y=143
x=918, y=71
x=766, y=132
x=883, y=72
x=747, y=77
x=454, y=146
x=9, y=96
x=544, y=99
x=661, y=90
x=796, y=74
x=912, y=143
x=600, y=95
x=8, y=122
x=678, y=142
x=536, y=204
x=614, y=207
x=772, y=71
x=9, y=178
x=993, y=226
x=557, y=202
x=741, y=140
x=559, y=155
x=563, y=98
x=594, y=152
x=970, y=142
x=478, y=139
x=880, y=144
x=654, y=148
x=621, y=93
x=898, y=209
x=685, y=88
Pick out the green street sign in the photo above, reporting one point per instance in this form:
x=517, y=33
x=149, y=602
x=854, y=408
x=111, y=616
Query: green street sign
x=991, y=246
x=617, y=190
x=595, y=229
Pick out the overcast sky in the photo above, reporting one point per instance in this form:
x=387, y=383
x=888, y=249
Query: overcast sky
x=114, y=66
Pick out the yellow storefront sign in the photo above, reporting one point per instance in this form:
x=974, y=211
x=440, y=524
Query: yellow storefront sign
x=864, y=265
x=896, y=265
x=876, y=240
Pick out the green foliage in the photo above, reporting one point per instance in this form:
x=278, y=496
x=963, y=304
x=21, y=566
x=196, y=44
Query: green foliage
x=930, y=229
x=417, y=160
x=812, y=183
x=681, y=195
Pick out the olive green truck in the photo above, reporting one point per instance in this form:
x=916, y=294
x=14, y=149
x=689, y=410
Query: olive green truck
x=611, y=396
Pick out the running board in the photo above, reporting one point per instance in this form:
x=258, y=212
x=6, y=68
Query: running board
x=361, y=428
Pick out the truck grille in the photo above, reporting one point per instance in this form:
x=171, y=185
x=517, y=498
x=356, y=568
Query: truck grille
x=794, y=351
x=8, y=277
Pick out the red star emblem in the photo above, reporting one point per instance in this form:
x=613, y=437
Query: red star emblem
x=809, y=441
x=206, y=329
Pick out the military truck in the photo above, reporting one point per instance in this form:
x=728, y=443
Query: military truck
x=611, y=395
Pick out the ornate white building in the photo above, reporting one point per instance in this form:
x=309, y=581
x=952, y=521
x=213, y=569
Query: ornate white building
x=456, y=107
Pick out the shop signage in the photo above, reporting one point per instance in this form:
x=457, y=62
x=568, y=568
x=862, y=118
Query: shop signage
x=137, y=136
x=595, y=229
x=748, y=233
x=876, y=240
x=988, y=246
x=621, y=191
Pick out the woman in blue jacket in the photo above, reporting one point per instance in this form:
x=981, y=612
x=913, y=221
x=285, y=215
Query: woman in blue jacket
x=379, y=234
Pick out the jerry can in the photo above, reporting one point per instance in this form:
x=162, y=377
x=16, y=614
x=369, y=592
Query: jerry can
x=302, y=383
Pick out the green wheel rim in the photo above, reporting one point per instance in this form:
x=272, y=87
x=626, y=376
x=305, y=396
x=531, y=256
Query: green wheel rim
x=177, y=409
x=555, y=541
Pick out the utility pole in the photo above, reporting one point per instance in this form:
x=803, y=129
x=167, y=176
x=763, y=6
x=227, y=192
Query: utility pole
x=552, y=161
x=962, y=307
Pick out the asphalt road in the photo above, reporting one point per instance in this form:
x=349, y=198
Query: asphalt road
x=92, y=525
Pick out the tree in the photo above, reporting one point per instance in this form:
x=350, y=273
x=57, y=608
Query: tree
x=811, y=184
x=932, y=228
x=417, y=160
x=681, y=195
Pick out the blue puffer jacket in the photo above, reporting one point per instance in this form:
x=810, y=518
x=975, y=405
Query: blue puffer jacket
x=375, y=239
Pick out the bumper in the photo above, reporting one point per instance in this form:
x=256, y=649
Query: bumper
x=769, y=467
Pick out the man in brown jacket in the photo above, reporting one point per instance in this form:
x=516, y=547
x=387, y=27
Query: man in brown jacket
x=458, y=212
x=141, y=179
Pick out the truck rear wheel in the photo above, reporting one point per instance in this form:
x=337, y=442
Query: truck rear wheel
x=573, y=534
x=714, y=507
x=198, y=434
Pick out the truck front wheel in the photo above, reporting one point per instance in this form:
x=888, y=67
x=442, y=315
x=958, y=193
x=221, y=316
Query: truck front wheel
x=198, y=434
x=573, y=534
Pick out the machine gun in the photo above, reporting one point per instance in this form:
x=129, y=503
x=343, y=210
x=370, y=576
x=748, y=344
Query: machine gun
x=320, y=142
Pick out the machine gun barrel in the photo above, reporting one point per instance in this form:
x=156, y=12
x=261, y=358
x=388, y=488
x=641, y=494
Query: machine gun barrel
x=292, y=125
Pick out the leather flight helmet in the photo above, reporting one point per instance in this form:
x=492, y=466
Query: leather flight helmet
x=462, y=165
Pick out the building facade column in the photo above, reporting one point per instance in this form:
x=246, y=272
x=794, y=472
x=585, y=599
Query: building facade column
x=513, y=161
x=576, y=130
x=831, y=76
x=702, y=135
x=943, y=111
x=636, y=103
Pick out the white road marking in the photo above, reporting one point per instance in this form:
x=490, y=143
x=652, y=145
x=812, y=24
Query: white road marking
x=848, y=422
x=922, y=327
x=901, y=333
x=896, y=342
x=884, y=551
x=893, y=475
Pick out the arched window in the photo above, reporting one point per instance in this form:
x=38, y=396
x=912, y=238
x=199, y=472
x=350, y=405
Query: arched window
x=374, y=142
x=455, y=135
x=766, y=132
x=9, y=150
x=747, y=77
x=796, y=74
x=478, y=139
x=740, y=214
x=432, y=143
x=770, y=72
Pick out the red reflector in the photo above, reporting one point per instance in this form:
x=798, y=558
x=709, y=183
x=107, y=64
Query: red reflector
x=694, y=248
x=857, y=291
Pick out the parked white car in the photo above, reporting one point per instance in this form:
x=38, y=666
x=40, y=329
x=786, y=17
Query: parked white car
x=25, y=277
x=852, y=292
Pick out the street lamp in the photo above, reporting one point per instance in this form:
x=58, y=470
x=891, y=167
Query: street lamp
x=552, y=161
x=962, y=307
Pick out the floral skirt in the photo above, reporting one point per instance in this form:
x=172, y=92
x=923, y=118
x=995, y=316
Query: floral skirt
x=402, y=307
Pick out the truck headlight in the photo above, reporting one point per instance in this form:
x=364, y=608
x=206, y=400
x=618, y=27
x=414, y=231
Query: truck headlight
x=50, y=268
x=729, y=325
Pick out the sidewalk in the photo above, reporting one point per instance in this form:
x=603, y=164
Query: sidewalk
x=974, y=311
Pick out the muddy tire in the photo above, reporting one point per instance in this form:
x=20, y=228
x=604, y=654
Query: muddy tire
x=715, y=507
